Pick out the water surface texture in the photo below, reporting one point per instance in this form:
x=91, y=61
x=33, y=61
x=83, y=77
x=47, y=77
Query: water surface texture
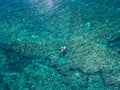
x=59, y=44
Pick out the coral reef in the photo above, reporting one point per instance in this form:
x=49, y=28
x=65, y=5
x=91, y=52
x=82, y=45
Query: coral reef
x=71, y=45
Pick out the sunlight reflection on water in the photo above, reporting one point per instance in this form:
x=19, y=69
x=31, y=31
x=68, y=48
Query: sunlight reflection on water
x=45, y=6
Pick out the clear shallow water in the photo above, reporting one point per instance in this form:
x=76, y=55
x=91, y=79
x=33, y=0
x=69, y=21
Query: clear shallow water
x=59, y=45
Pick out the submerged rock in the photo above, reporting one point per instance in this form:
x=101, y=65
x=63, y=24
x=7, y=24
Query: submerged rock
x=91, y=57
x=40, y=48
x=38, y=78
x=114, y=44
x=112, y=77
x=96, y=83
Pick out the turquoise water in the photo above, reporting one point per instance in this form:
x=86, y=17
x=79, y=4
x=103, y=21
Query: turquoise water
x=59, y=45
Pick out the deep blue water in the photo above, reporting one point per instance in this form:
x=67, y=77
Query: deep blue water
x=59, y=45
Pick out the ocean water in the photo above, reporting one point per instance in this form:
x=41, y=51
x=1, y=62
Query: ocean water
x=59, y=45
